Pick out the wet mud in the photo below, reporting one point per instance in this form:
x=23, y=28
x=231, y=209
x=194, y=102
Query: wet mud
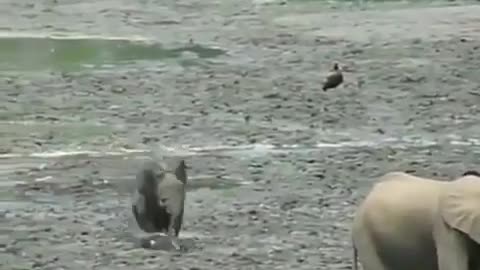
x=275, y=192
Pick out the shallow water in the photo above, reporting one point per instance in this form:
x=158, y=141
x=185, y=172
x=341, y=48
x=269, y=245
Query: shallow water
x=70, y=53
x=275, y=193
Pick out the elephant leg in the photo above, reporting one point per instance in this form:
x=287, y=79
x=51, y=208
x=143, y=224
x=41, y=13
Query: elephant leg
x=367, y=252
x=451, y=245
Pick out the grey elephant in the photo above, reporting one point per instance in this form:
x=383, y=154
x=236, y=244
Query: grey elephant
x=412, y=223
x=159, y=199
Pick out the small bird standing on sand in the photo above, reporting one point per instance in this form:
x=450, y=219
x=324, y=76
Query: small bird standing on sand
x=334, y=78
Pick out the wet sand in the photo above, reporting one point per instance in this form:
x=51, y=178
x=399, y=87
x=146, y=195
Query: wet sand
x=277, y=192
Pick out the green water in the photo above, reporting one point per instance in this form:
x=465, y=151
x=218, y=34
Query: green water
x=32, y=53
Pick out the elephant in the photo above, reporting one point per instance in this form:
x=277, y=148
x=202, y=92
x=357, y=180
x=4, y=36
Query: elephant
x=412, y=223
x=159, y=198
x=471, y=172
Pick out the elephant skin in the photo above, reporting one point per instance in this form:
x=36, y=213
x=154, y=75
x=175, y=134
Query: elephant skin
x=159, y=199
x=413, y=223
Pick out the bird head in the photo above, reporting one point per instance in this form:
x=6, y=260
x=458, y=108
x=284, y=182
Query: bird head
x=335, y=66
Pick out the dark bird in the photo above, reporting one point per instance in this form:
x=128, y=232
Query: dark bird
x=159, y=199
x=247, y=118
x=334, y=78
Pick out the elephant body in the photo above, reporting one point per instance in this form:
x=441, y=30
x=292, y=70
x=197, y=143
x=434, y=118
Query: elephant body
x=159, y=198
x=412, y=223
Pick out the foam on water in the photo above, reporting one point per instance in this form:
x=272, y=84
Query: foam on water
x=62, y=35
x=36, y=123
x=255, y=149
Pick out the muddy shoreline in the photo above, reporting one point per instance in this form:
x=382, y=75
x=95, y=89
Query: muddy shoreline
x=275, y=193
